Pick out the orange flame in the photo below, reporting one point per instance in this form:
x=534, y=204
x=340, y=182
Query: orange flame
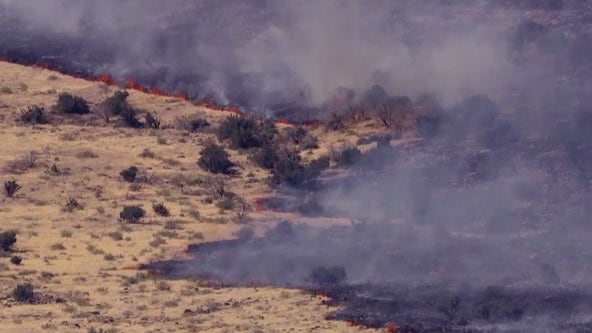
x=391, y=327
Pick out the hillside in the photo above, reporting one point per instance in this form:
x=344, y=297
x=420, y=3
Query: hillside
x=81, y=258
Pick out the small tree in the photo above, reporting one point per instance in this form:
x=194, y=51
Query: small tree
x=70, y=104
x=241, y=209
x=129, y=174
x=216, y=187
x=116, y=103
x=132, y=214
x=24, y=293
x=214, y=158
x=392, y=111
x=7, y=239
x=11, y=187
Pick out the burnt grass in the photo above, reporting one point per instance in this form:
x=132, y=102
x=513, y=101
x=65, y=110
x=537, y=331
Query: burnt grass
x=401, y=294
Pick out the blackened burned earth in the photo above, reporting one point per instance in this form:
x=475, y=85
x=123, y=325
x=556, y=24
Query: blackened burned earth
x=387, y=279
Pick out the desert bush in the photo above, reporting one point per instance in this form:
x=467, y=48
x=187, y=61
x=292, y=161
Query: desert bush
x=216, y=187
x=24, y=293
x=70, y=104
x=349, y=156
x=116, y=103
x=86, y=153
x=72, y=205
x=264, y=157
x=22, y=164
x=241, y=209
x=151, y=121
x=129, y=174
x=288, y=168
x=215, y=159
x=328, y=276
x=11, y=187
x=336, y=121
x=7, y=239
x=16, y=260
x=246, y=132
x=190, y=124
x=160, y=209
x=130, y=117
x=132, y=214
x=393, y=109
x=245, y=233
x=33, y=114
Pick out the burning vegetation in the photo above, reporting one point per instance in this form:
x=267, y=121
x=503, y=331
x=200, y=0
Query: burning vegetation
x=469, y=205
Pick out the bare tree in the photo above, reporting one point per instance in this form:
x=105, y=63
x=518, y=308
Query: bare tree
x=216, y=186
x=241, y=209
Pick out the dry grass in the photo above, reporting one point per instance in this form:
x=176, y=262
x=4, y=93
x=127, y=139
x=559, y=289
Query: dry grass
x=82, y=253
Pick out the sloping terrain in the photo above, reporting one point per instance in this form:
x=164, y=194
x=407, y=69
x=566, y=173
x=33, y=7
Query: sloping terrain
x=81, y=258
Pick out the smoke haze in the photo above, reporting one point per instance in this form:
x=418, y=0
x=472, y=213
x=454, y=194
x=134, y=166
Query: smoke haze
x=499, y=196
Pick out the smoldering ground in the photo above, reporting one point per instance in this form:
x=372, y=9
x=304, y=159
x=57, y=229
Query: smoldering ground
x=497, y=197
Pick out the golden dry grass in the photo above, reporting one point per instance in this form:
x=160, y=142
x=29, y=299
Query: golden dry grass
x=76, y=260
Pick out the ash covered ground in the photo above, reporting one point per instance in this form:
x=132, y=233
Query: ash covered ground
x=482, y=226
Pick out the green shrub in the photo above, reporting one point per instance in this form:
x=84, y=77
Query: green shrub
x=288, y=168
x=190, y=124
x=70, y=104
x=116, y=103
x=214, y=158
x=161, y=209
x=129, y=174
x=132, y=214
x=7, y=239
x=11, y=187
x=264, y=157
x=246, y=132
x=24, y=293
x=349, y=156
x=33, y=114
x=16, y=260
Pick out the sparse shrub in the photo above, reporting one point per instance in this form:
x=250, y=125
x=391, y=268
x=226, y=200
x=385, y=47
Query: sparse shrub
x=57, y=247
x=7, y=239
x=115, y=235
x=70, y=104
x=54, y=170
x=33, y=114
x=161, y=209
x=246, y=132
x=214, y=158
x=328, y=276
x=393, y=110
x=16, y=260
x=336, y=121
x=22, y=164
x=129, y=174
x=245, y=233
x=72, y=205
x=287, y=168
x=226, y=203
x=147, y=153
x=151, y=121
x=264, y=157
x=117, y=103
x=66, y=233
x=216, y=186
x=11, y=187
x=349, y=156
x=132, y=214
x=430, y=116
x=130, y=117
x=241, y=209
x=190, y=124
x=6, y=90
x=87, y=153
x=24, y=293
